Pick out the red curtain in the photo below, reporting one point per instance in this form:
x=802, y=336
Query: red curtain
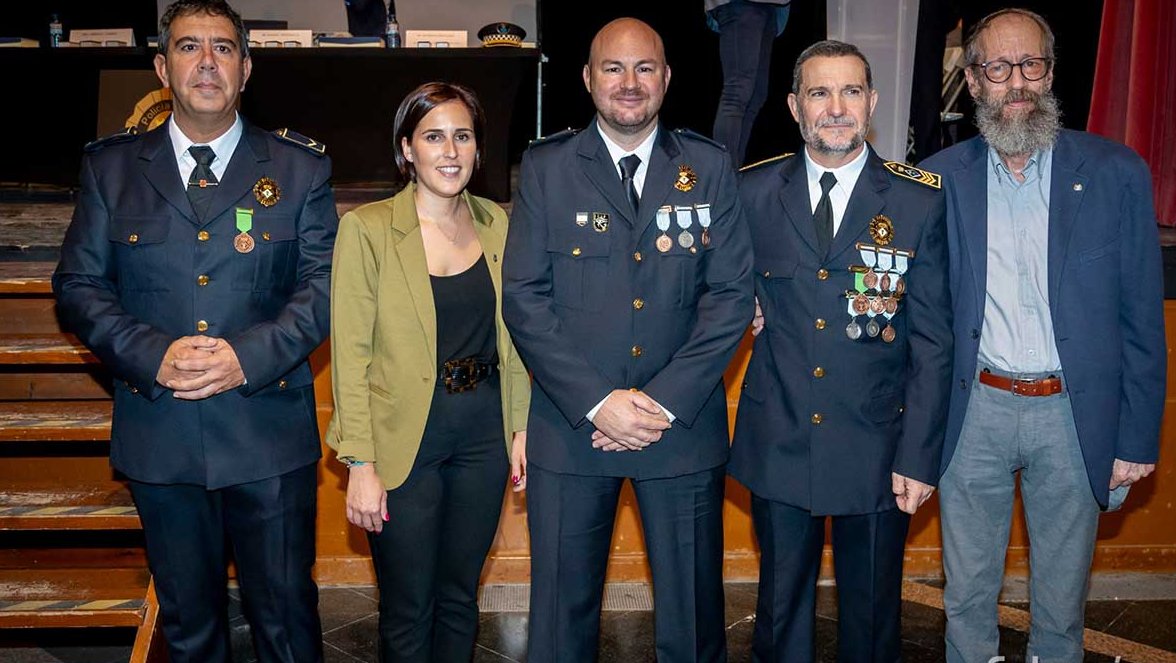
x=1134, y=97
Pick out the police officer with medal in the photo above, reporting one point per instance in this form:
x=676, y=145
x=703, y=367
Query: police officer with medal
x=844, y=403
x=627, y=286
x=197, y=268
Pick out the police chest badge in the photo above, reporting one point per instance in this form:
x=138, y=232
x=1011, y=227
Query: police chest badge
x=267, y=192
x=687, y=178
x=881, y=230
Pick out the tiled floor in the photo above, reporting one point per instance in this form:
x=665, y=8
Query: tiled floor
x=349, y=628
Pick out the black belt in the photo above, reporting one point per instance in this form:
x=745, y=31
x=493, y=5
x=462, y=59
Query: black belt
x=460, y=375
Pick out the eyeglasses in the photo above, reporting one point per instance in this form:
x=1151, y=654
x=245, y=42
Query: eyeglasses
x=1032, y=69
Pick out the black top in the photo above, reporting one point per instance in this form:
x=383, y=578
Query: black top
x=465, y=305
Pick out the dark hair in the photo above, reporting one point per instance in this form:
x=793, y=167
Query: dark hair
x=830, y=48
x=181, y=8
x=417, y=105
x=972, y=45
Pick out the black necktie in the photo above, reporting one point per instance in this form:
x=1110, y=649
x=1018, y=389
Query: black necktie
x=823, y=216
x=629, y=166
x=201, y=183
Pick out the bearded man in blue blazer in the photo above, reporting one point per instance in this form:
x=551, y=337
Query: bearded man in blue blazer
x=1059, y=354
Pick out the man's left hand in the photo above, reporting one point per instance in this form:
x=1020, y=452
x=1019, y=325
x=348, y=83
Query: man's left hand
x=219, y=371
x=909, y=493
x=1125, y=473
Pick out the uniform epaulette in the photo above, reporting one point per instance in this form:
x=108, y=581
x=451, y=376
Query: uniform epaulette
x=697, y=136
x=914, y=174
x=555, y=137
x=128, y=134
x=767, y=161
x=305, y=142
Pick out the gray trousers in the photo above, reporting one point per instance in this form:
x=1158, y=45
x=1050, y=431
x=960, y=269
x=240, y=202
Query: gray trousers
x=1004, y=435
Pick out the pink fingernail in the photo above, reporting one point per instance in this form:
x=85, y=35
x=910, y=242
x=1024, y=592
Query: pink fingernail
x=385, y=517
x=514, y=479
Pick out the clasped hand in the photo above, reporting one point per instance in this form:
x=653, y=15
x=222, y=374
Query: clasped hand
x=629, y=420
x=197, y=367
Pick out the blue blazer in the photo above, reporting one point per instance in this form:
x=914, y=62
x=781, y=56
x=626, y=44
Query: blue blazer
x=128, y=285
x=593, y=305
x=1105, y=292
x=882, y=405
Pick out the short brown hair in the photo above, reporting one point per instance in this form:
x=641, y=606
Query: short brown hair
x=210, y=7
x=830, y=48
x=418, y=104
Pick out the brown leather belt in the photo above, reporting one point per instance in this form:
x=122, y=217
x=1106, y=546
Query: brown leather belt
x=1039, y=387
x=460, y=375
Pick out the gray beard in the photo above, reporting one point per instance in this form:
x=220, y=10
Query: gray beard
x=1024, y=134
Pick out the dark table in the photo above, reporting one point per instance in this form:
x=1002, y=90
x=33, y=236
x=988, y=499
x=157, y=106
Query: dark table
x=343, y=97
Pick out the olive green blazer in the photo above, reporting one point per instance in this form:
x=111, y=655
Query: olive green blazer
x=384, y=333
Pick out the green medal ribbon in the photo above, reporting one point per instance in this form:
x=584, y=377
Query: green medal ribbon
x=244, y=219
x=859, y=283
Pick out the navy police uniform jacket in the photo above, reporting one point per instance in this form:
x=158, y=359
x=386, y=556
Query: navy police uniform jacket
x=138, y=270
x=593, y=305
x=824, y=419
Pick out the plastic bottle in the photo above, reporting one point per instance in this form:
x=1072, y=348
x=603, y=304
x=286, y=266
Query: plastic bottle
x=55, y=31
x=392, y=32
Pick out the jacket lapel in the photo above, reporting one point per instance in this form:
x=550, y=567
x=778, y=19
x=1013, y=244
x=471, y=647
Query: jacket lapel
x=794, y=197
x=971, y=201
x=410, y=249
x=659, y=178
x=244, y=170
x=865, y=202
x=158, y=163
x=600, y=170
x=1066, y=189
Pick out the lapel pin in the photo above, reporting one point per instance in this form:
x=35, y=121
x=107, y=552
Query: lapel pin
x=267, y=192
x=1077, y=186
x=687, y=178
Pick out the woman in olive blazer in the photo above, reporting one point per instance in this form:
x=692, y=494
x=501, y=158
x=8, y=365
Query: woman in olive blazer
x=421, y=433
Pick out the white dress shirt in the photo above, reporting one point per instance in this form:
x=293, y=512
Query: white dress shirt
x=223, y=146
x=847, y=177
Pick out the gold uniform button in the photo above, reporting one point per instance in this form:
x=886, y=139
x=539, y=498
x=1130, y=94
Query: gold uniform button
x=637, y=350
x=576, y=251
x=202, y=235
x=637, y=256
x=281, y=384
x=822, y=274
x=820, y=323
x=201, y=326
x=818, y=372
x=202, y=280
x=817, y=418
x=265, y=236
x=133, y=239
x=638, y=303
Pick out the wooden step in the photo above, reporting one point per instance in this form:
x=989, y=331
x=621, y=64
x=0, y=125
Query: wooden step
x=24, y=349
x=26, y=278
x=54, y=421
x=33, y=506
x=72, y=598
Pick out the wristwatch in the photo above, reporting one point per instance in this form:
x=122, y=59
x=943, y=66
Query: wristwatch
x=350, y=461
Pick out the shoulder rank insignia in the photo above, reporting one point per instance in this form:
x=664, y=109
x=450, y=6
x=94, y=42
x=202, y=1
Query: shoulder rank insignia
x=767, y=161
x=914, y=174
x=555, y=137
x=130, y=133
x=304, y=142
x=697, y=136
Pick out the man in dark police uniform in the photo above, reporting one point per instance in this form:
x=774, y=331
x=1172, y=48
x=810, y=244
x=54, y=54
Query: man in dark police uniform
x=196, y=268
x=626, y=288
x=843, y=407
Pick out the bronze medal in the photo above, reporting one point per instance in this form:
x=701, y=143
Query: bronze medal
x=886, y=281
x=243, y=243
x=853, y=330
x=877, y=306
x=872, y=328
x=870, y=279
x=891, y=305
x=706, y=237
x=687, y=178
x=888, y=334
x=861, y=304
x=267, y=193
x=664, y=243
x=685, y=239
x=899, y=286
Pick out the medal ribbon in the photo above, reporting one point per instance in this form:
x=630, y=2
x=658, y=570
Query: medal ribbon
x=663, y=218
x=244, y=220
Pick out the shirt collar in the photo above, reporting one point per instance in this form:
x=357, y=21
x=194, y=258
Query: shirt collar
x=615, y=152
x=223, y=145
x=847, y=175
x=1037, y=161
